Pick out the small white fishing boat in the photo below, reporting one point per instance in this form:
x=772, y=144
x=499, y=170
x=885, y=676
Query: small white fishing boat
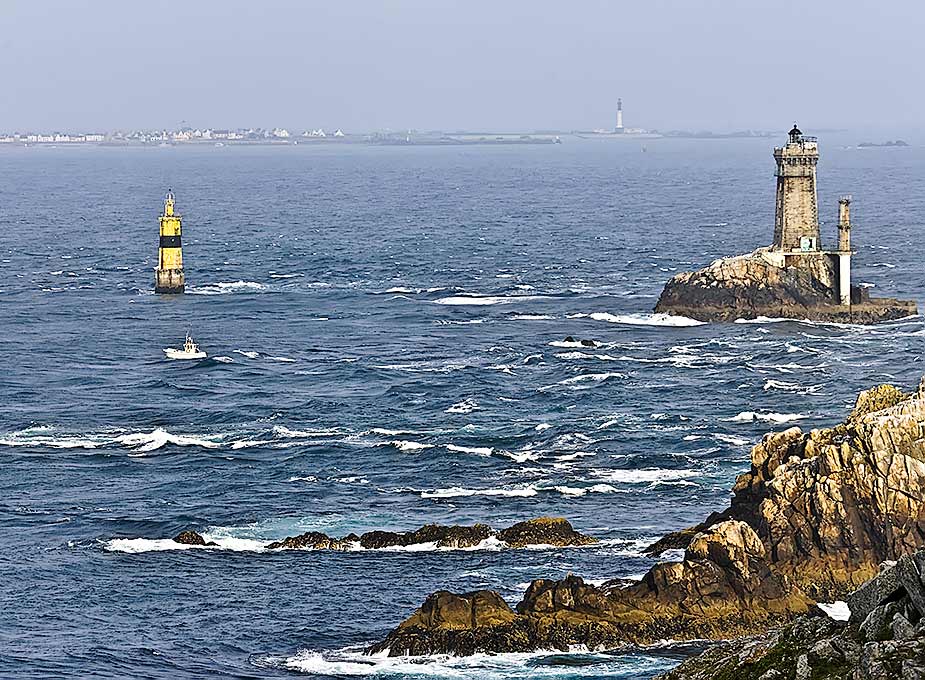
x=190, y=350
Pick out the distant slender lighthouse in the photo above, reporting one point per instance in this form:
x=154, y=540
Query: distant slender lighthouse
x=168, y=277
x=619, y=127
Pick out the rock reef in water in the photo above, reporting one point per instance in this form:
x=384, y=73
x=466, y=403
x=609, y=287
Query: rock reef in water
x=752, y=286
x=192, y=538
x=883, y=640
x=810, y=521
x=555, y=531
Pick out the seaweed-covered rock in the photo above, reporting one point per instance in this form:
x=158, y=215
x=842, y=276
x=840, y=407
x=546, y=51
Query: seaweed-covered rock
x=544, y=531
x=314, y=540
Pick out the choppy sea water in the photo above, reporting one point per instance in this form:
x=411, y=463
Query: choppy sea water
x=385, y=329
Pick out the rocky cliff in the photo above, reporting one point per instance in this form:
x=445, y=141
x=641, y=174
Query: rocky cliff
x=811, y=520
x=753, y=285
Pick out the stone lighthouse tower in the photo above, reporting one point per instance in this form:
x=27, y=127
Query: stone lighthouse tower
x=796, y=221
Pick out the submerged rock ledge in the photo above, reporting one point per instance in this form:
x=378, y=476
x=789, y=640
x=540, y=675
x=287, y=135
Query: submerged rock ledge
x=553, y=531
x=810, y=521
x=751, y=286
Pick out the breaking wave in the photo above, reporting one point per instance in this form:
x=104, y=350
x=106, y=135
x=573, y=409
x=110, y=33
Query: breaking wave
x=577, y=663
x=656, y=319
x=752, y=416
x=225, y=288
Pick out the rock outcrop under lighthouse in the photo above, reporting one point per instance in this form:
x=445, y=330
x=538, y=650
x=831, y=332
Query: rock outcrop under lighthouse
x=753, y=285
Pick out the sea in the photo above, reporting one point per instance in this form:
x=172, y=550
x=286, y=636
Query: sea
x=386, y=335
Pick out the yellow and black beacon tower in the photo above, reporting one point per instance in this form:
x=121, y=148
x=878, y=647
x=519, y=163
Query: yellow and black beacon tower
x=168, y=277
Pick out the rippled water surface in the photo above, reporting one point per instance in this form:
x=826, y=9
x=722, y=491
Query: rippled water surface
x=385, y=329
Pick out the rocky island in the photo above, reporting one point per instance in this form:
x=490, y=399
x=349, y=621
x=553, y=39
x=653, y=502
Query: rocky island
x=793, y=278
x=813, y=520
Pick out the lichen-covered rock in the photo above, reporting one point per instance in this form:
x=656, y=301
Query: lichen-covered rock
x=544, y=531
x=831, y=505
x=883, y=640
x=753, y=285
x=813, y=518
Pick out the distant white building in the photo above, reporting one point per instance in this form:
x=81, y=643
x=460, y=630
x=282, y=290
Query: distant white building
x=339, y=133
x=283, y=133
x=7, y=139
x=94, y=137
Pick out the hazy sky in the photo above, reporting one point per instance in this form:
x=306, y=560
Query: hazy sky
x=473, y=64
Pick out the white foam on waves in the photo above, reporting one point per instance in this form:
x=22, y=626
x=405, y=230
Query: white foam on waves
x=403, y=445
x=752, y=416
x=351, y=662
x=793, y=387
x=144, y=442
x=484, y=300
x=224, y=288
x=465, y=406
x=646, y=476
x=657, y=319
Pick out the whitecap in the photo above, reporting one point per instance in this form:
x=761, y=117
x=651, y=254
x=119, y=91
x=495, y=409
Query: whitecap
x=281, y=431
x=532, y=317
x=144, y=442
x=403, y=445
x=792, y=387
x=248, y=354
x=142, y=545
x=392, y=433
x=730, y=439
x=224, y=288
x=479, y=451
x=483, y=300
x=285, y=276
x=458, y=492
x=644, y=476
x=465, y=406
x=223, y=360
x=656, y=319
x=285, y=360
x=752, y=416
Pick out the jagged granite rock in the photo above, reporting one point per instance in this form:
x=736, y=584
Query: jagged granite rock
x=832, y=504
x=314, y=540
x=723, y=588
x=810, y=521
x=883, y=640
x=542, y=531
x=192, y=538
x=753, y=285
x=443, y=536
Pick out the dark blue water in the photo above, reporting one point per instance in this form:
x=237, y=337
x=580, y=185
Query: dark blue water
x=381, y=326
